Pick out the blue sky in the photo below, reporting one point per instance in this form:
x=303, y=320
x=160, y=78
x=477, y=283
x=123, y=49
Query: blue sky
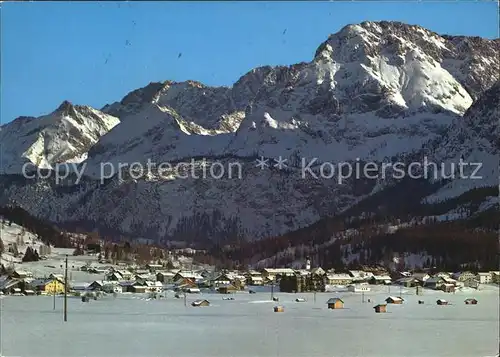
x=95, y=53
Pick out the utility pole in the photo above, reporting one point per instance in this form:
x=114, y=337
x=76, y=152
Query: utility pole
x=185, y=299
x=66, y=290
x=363, y=296
x=54, y=297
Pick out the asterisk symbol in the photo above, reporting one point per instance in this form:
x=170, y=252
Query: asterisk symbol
x=262, y=163
x=280, y=163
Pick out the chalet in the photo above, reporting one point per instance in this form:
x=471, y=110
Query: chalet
x=47, y=286
x=154, y=267
x=185, y=283
x=394, y=300
x=495, y=277
x=408, y=282
x=21, y=274
x=335, y=303
x=187, y=275
x=94, y=270
x=420, y=278
x=199, y=303
x=442, y=302
x=227, y=289
x=380, y=280
x=113, y=276
x=470, y=282
x=255, y=280
x=252, y=273
x=449, y=280
x=130, y=286
x=470, y=301
x=221, y=279
x=271, y=275
x=144, y=277
x=447, y=288
x=338, y=279
x=463, y=276
x=380, y=308
x=434, y=282
x=59, y=277
x=96, y=285
x=125, y=274
x=165, y=277
x=203, y=273
x=154, y=286
x=11, y=286
x=79, y=287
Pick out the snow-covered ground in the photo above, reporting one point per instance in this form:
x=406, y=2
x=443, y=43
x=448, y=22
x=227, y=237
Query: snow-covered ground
x=130, y=325
x=54, y=264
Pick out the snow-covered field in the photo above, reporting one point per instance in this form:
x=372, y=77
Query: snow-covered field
x=133, y=326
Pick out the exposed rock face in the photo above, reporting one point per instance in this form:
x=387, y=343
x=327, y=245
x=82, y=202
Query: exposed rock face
x=376, y=91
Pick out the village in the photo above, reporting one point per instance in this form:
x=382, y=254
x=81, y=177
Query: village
x=91, y=269
x=156, y=279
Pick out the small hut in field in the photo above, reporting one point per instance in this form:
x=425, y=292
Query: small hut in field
x=279, y=309
x=335, y=303
x=394, y=300
x=380, y=308
x=199, y=303
x=442, y=302
x=470, y=301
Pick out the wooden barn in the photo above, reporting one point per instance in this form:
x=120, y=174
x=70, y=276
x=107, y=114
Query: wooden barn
x=394, y=300
x=470, y=301
x=279, y=309
x=198, y=303
x=380, y=308
x=335, y=303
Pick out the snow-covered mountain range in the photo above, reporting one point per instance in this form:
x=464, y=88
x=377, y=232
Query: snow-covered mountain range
x=65, y=135
x=374, y=92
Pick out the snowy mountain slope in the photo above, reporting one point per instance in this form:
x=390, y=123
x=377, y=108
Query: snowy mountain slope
x=373, y=92
x=64, y=135
x=475, y=139
x=211, y=108
x=362, y=75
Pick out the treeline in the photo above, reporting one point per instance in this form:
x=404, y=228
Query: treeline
x=47, y=233
x=396, y=204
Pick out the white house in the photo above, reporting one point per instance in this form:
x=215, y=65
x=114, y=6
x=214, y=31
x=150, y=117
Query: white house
x=338, y=279
x=358, y=288
x=485, y=278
